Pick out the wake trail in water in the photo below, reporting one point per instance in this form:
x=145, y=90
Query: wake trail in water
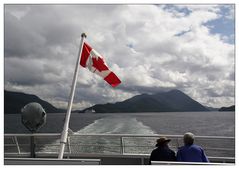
x=109, y=125
x=117, y=125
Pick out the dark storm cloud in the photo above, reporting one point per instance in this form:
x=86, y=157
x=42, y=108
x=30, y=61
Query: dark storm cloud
x=145, y=89
x=19, y=39
x=29, y=72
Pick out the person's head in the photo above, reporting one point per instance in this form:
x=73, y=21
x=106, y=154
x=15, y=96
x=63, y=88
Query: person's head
x=162, y=141
x=188, y=138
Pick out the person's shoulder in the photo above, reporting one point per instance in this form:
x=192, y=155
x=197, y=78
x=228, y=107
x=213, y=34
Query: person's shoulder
x=181, y=148
x=197, y=146
x=155, y=150
x=172, y=151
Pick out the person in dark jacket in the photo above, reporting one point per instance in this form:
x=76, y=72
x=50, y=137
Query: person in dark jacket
x=162, y=152
x=191, y=152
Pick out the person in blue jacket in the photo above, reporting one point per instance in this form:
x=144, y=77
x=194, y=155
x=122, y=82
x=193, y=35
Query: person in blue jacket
x=191, y=152
x=162, y=152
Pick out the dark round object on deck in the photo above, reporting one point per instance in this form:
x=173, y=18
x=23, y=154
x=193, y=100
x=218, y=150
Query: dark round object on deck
x=33, y=116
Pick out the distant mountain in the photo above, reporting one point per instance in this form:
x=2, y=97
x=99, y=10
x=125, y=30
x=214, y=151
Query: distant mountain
x=171, y=101
x=14, y=101
x=211, y=108
x=231, y=108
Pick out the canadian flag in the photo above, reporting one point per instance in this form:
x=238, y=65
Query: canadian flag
x=96, y=64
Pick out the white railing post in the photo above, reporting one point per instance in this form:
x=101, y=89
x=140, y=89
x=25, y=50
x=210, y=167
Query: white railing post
x=142, y=160
x=16, y=142
x=121, y=145
x=69, y=146
x=177, y=143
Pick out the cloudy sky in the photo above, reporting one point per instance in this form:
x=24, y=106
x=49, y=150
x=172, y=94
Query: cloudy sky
x=151, y=48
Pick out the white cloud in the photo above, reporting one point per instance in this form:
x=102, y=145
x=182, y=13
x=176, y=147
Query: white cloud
x=149, y=47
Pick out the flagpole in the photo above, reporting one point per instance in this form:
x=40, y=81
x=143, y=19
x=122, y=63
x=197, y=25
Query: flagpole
x=64, y=134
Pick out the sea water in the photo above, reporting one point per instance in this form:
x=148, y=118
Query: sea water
x=166, y=123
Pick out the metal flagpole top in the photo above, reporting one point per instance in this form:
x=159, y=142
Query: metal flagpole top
x=83, y=35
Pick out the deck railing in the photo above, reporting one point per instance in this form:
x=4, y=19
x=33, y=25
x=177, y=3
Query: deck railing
x=216, y=147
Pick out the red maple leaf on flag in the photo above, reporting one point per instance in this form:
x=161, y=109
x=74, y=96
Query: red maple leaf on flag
x=99, y=64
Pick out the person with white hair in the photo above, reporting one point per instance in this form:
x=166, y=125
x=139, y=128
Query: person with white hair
x=191, y=152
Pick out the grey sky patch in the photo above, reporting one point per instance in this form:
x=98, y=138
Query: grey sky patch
x=183, y=32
